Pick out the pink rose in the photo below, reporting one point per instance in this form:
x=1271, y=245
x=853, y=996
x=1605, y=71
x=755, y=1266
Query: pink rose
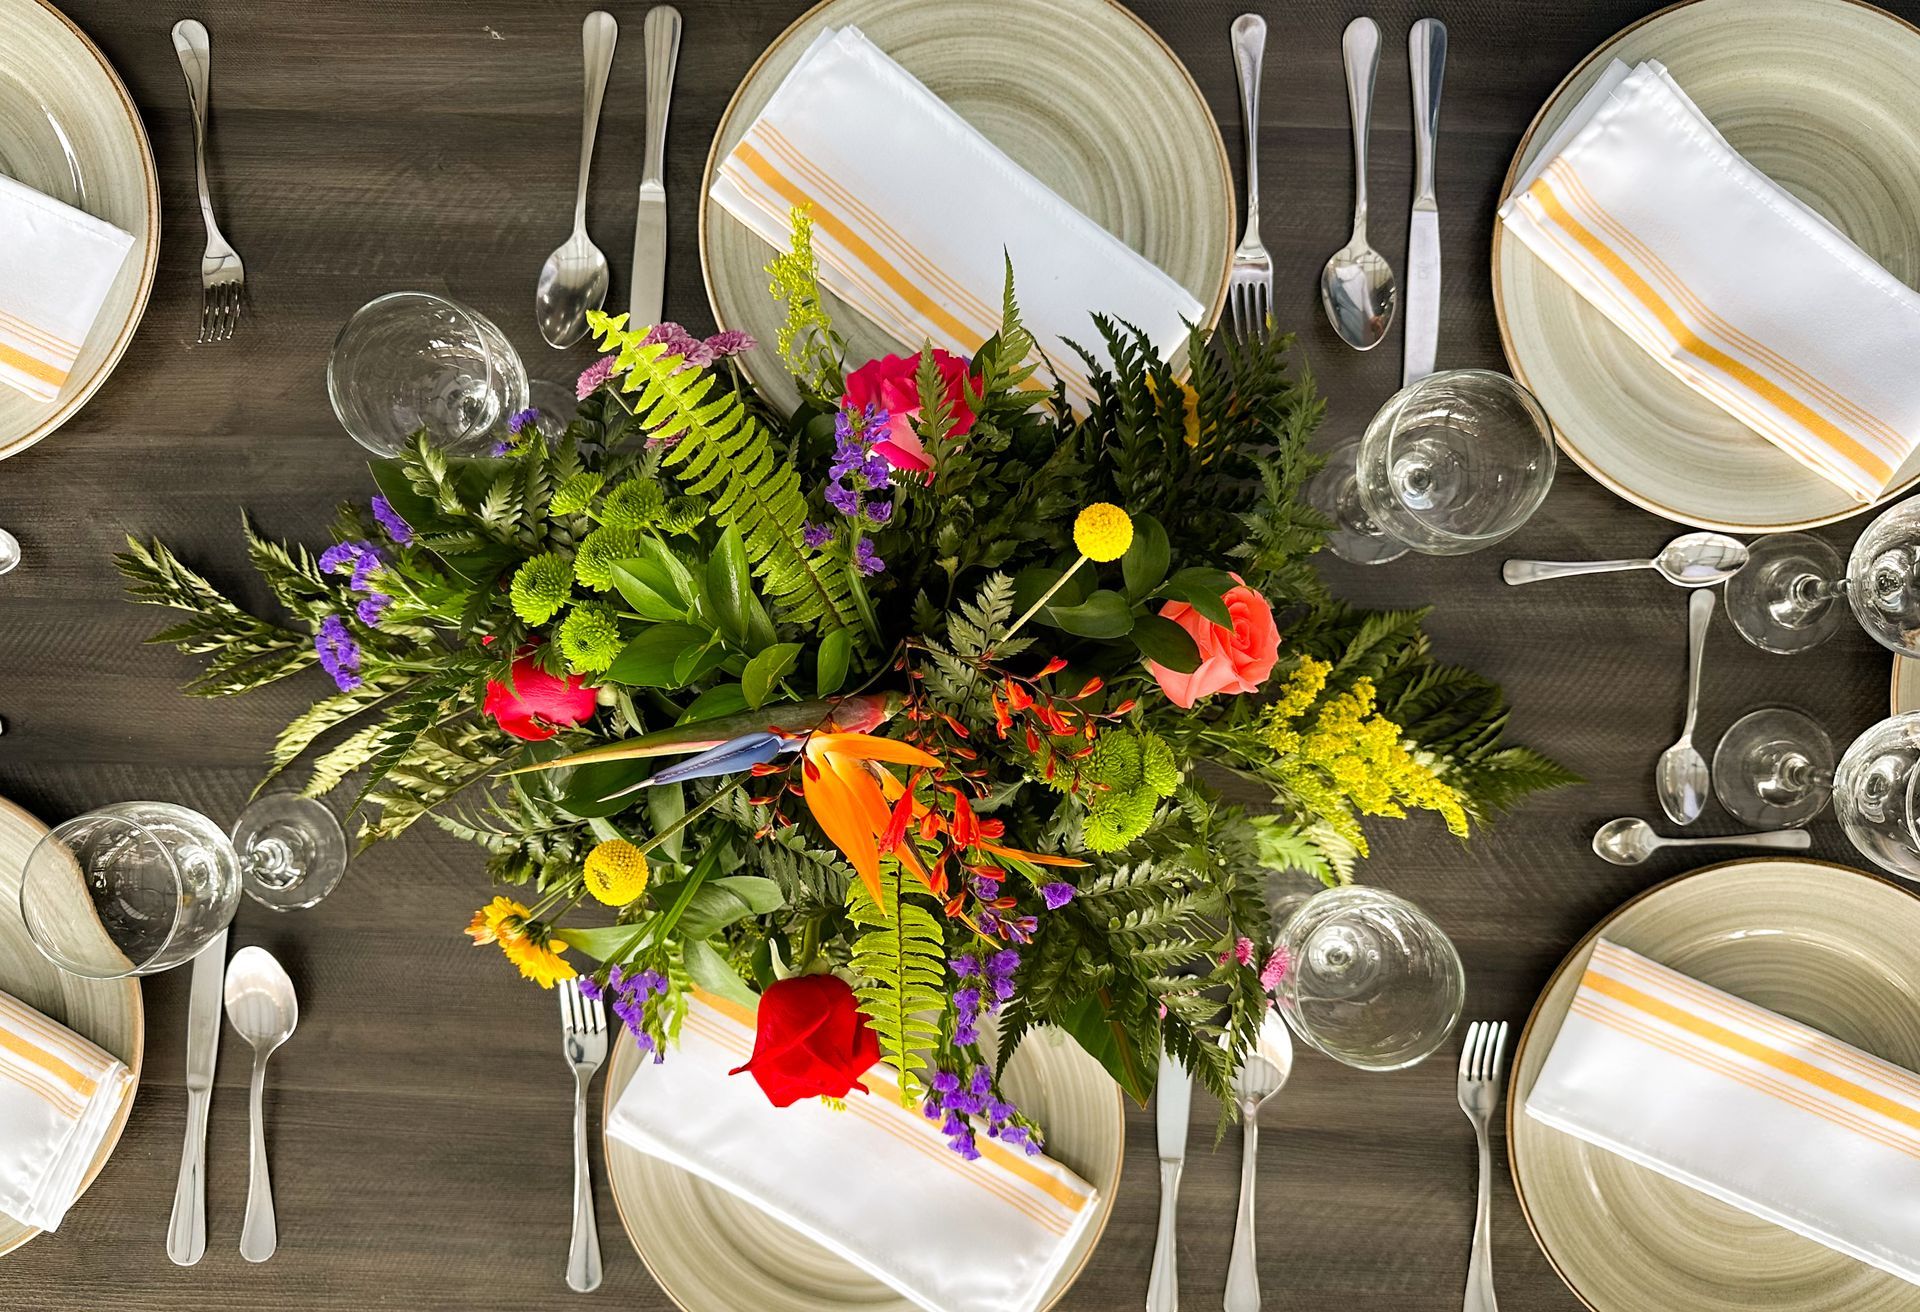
x=1235, y=660
x=889, y=383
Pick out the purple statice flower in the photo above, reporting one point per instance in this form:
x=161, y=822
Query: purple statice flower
x=504, y=447
x=878, y=512
x=1056, y=894
x=372, y=607
x=843, y=498
x=343, y=553
x=857, y=471
x=966, y=966
x=628, y=994
x=816, y=536
x=866, y=559
x=592, y=376
x=955, y=1099
x=966, y=1021
x=363, y=568
x=397, y=528
x=339, y=653
x=521, y=420
x=985, y=887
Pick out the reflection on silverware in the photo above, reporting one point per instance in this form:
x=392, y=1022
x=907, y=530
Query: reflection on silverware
x=1427, y=63
x=574, y=278
x=583, y=1033
x=1680, y=779
x=1172, y=1098
x=1628, y=841
x=1250, y=280
x=223, y=279
x=187, y=1230
x=9, y=552
x=1357, y=288
x=262, y=1009
x=661, y=38
x=1692, y=560
x=1262, y=1075
x=1482, y=1070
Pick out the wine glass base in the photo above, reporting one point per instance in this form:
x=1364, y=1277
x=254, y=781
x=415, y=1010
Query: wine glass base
x=1763, y=599
x=292, y=851
x=1774, y=769
x=1335, y=493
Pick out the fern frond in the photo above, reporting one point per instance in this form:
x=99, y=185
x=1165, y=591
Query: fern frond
x=902, y=964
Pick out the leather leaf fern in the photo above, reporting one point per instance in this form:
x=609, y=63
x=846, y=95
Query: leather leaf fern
x=902, y=964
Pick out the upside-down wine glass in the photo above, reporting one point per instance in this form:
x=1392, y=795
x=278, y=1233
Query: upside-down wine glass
x=1773, y=769
x=1787, y=599
x=292, y=851
x=1451, y=464
x=1874, y=794
x=409, y=361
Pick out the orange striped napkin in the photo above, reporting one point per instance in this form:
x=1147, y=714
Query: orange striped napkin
x=1728, y=281
x=1759, y=1111
x=56, y=267
x=915, y=215
x=874, y=1183
x=59, y=1096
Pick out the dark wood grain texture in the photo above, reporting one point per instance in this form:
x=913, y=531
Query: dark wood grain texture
x=419, y=1119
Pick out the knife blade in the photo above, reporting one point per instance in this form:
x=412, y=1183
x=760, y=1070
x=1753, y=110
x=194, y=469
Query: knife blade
x=661, y=35
x=187, y=1231
x=1172, y=1098
x=1427, y=61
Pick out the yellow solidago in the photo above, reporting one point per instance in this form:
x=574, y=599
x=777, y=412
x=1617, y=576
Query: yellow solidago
x=616, y=872
x=805, y=340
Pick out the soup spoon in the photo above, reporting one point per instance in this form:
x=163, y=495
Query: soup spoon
x=574, y=278
x=1357, y=288
x=1262, y=1075
x=1692, y=560
x=1629, y=841
x=262, y=1009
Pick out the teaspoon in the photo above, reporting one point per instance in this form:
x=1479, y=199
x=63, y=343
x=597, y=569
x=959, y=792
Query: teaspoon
x=1680, y=779
x=1629, y=841
x=574, y=278
x=1357, y=288
x=262, y=1009
x=1692, y=560
x=1261, y=1076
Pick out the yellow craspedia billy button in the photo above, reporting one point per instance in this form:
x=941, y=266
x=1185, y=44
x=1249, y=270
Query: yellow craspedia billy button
x=616, y=872
x=1103, y=531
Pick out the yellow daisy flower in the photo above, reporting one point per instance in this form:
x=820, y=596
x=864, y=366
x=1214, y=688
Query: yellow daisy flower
x=1103, y=531
x=616, y=872
x=497, y=922
x=538, y=961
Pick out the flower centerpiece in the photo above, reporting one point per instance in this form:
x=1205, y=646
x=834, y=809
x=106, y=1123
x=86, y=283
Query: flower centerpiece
x=933, y=707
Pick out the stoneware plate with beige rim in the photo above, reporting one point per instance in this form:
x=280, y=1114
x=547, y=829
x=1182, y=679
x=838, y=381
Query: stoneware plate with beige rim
x=1080, y=93
x=1817, y=94
x=107, y=1011
x=1906, y=685
x=69, y=129
x=712, y=1252
x=1826, y=945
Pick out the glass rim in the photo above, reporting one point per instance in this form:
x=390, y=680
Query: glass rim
x=1543, y=424
x=471, y=319
x=112, y=814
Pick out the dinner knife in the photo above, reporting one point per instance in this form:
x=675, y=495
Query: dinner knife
x=662, y=38
x=187, y=1232
x=1172, y=1096
x=1427, y=60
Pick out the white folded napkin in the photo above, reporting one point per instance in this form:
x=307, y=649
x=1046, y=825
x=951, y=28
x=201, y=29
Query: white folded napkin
x=1759, y=1111
x=915, y=214
x=59, y=1096
x=1728, y=281
x=874, y=1183
x=56, y=267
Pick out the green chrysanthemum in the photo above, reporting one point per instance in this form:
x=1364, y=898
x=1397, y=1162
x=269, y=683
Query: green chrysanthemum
x=599, y=552
x=1116, y=819
x=575, y=495
x=682, y=515
x=1158, y=769
x=541, y=587
x=1114, y=762
x=635, y=504
x=589, y=638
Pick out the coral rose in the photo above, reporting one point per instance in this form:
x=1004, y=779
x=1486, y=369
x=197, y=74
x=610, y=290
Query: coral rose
x=538, y=705
x=890, y=383
x=810, y=1041
x=1234, y=660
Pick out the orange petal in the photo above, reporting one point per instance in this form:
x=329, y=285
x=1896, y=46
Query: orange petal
x=866, y=747
x=1032, y=858
x=837, y=812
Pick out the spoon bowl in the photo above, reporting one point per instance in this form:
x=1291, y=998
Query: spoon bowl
x=1681, y=782
x=1699, y=560
x=263, y=1010
x=572, y=281
x=1263, y=1072
x=1359, y=294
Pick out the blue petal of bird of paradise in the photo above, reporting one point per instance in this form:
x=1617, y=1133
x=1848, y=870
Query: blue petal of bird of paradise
x=730, y=757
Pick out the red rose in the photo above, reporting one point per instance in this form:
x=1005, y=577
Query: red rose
x=811, y=1041
x=890, y=383
x=539, y=704
x=1232, y=660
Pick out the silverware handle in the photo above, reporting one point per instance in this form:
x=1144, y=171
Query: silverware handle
x=1480, y=1265
x=1360, y=53
x=583, y=1255
x=187, y=1230
x=662, y=39
x=1780, y=840
x=259, y=1236
x=1517, y=572
x=195, y=51
x=1243, y=1273
x=1427, y=60
x=598, y=33
x=1163, y=1285
x=1249, y=49
x=1699, y=621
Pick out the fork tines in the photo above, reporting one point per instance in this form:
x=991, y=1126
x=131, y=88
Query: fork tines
x=1250, y=297
x=577, y=1013
x=220, y=310
x=1483, y=1051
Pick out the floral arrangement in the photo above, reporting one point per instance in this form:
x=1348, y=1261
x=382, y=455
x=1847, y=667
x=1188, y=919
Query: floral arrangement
x=911, y=716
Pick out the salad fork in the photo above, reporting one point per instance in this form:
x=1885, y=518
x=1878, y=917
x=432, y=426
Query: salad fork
x=1480, y=1079
x=583, y=1026
x=223, y=278
x=1250, y=281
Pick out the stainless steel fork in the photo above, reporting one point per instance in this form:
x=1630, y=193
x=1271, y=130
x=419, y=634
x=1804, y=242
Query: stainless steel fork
x=223, y=278
x=1250, y=282
x=1481, y=1075
x=583, y=1025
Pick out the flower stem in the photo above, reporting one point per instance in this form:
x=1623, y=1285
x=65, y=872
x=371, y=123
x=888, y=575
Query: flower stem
x=1045, y=597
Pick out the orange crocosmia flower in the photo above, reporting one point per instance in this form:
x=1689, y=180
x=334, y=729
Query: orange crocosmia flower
x=841, y=785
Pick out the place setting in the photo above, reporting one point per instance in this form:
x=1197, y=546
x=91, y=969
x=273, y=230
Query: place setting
x=900, y=728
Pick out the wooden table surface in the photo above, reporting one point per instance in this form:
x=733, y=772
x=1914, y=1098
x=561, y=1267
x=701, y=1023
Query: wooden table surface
x=418, y=1121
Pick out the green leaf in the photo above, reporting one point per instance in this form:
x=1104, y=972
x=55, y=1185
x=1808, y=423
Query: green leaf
x=696, y=661
x=390, y=476
x=707, y=968
x=836, y=651
x=1105, y=614
x=665, y=805
x=1162, y=641
x=595, y=791
x=1203, y=590
x=766, y=670
x=730, y=586
x=648, y=589
x=649, y=661
x=762, y=896
x=1145, y=563
x=604, y=943
x=721, y=902
x=1106, y=1040
x=726, y=699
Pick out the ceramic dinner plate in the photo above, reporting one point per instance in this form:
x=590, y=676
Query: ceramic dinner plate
x=1079, y=92
x=711, y=1252
x=105, y=1011
x=1818, y=94
x=1906, y=685
x=1825, y=945
x=69, y=129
